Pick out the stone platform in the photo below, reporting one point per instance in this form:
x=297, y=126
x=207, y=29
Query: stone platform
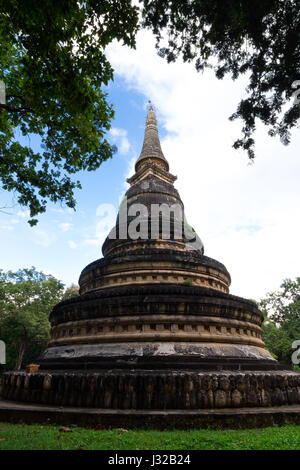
x=238, y=418
x=154, y=389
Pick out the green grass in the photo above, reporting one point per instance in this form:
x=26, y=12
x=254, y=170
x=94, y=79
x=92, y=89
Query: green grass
x=33, y=437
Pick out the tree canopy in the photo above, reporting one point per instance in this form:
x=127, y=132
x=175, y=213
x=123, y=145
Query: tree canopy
x=26, y=300
x=260, y=38
x=53, y=65
x=282, y=319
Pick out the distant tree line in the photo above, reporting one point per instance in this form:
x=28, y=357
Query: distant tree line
x=26, y=300
x=281, y=326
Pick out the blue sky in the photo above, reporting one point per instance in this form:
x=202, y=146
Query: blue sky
x=246, y=215
x=50, y=246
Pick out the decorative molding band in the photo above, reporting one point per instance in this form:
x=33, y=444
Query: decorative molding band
x=157, y=328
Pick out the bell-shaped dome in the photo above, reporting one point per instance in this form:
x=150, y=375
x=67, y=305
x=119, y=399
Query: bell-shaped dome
x=152, y=209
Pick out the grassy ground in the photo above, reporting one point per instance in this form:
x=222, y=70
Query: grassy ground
x=33, y=437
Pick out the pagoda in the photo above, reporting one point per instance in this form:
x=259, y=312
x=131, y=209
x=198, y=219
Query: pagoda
x=154, y=326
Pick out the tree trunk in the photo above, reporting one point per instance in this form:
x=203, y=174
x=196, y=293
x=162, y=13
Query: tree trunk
x=21, y=351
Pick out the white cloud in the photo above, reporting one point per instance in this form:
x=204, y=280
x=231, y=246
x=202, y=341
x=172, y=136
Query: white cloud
x=6, y=227
x=65, y=226
x=92, y=242
x=94, y=236
x=129, y=172
x=108, y=215
x=43, y=238
x=24, y=214
x=246, y=215
x=65, y=210
x=119, y=136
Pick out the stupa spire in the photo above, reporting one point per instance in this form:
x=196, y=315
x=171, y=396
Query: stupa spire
x=151, y=146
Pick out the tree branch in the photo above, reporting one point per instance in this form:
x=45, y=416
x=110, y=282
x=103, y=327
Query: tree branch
x=16, y=110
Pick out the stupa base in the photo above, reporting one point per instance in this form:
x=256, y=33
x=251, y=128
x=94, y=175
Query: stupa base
x=237, y=418
x=157, y=355
x=154, y=389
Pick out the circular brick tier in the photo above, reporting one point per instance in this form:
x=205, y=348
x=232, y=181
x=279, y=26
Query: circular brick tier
x=154, y=326
x=151, y=265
